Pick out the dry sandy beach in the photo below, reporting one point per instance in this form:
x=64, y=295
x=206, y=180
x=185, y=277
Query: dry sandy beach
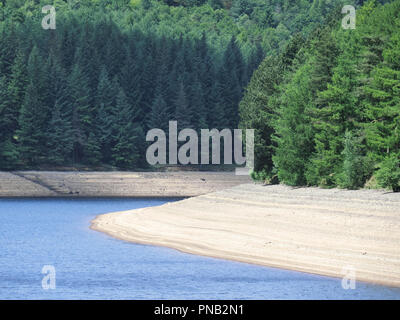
x=307, y=229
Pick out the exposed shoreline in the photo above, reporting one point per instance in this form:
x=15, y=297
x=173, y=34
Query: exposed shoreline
x=311, y=230
x=305, y=229
x=179, y=184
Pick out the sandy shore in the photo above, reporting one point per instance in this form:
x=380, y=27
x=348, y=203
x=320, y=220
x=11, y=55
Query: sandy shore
x=306, y=229
x=115, y=184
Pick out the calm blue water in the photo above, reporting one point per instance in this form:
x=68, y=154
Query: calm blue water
x=92, y=265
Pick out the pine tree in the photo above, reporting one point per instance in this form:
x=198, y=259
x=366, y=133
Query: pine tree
x=230, y=78
x=257, y=112
x=9, y=155
x=106, y=111
x=216, y=115
x=335, y=110
x=15, y=92
x=388, y=175
x=207, y=78
x=255, y=59
x=293, y=129
x=324, y=59
x=59, y=132
x=182, y=109
x=125, y=153
x=230, y=95
x=382, y=110
x=59, y=142
x=158, y=117
x=87, y=58
x=148, y=78
x=259, y=106
x=114, y=58
x=8, y=38
x=198, y=106
x=357, y=167
x=82, y=117
x=32, y=119
x=131, y=81
x=31, y=138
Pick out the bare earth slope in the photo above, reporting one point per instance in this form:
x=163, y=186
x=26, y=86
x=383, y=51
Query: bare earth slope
x=306, y=229
x=115, y=184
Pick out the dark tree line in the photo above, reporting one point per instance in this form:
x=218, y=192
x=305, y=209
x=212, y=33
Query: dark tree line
x=86, y=93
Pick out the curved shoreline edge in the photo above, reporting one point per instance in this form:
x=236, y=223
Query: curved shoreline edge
x=311, y=230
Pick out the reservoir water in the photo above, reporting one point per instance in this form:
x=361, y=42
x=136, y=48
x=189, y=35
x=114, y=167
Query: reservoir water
x=91, y=265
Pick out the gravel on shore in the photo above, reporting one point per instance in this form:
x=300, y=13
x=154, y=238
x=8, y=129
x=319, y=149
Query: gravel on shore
x=115, y=184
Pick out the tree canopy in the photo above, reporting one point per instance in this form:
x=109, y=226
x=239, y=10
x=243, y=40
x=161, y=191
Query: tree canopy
x=326, y=110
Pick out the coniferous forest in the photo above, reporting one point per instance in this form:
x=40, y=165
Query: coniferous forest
x=327, y=108
x=324, y=101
